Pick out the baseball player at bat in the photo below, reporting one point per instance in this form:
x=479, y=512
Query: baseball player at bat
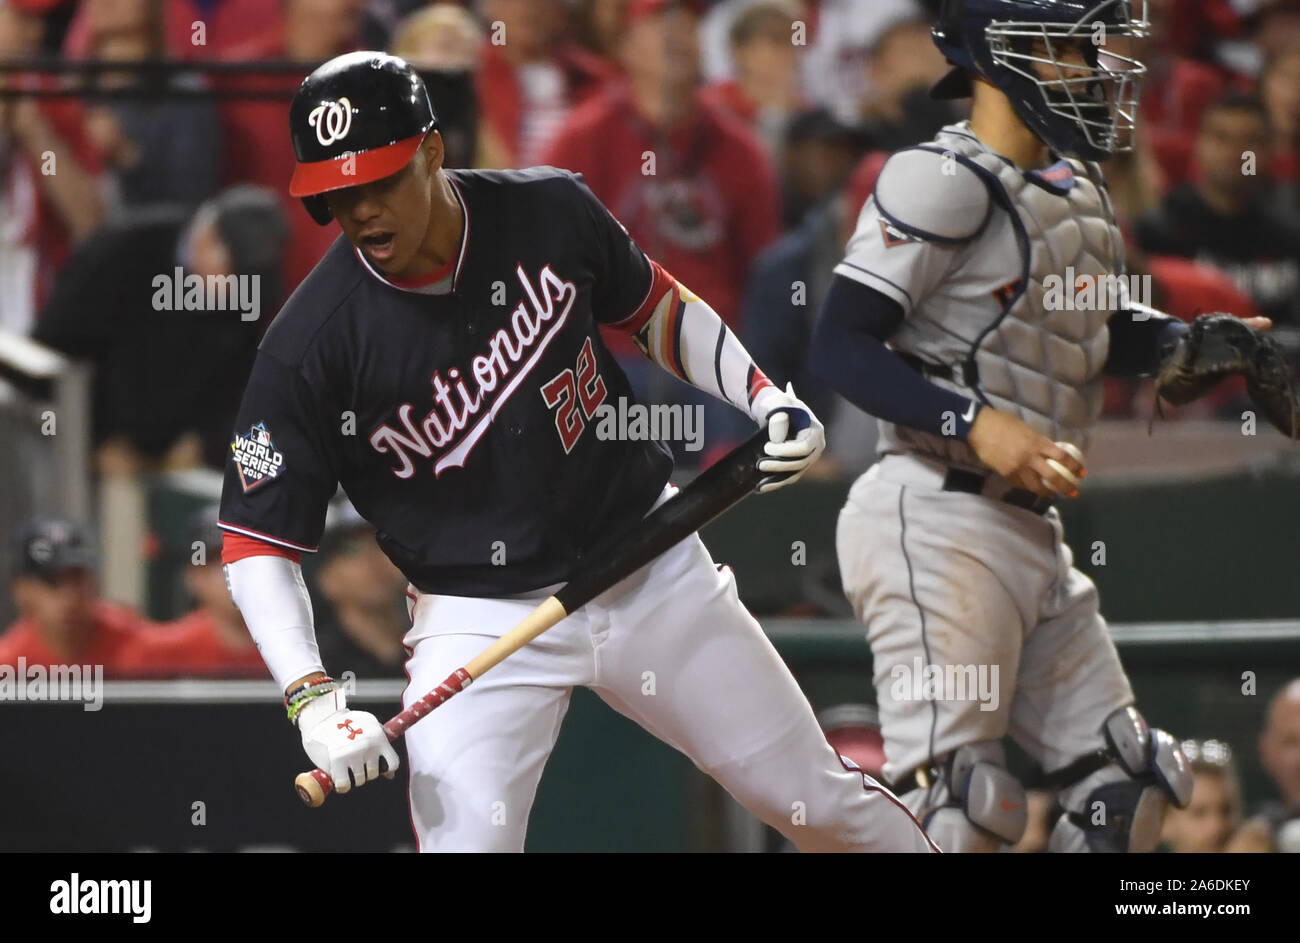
x=941, y=322
x=443, y=363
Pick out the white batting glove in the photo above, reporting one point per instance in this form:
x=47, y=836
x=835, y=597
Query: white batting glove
x=795, y=436
x=343, y=742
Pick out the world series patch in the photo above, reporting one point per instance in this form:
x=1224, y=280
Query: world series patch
x=256, y=458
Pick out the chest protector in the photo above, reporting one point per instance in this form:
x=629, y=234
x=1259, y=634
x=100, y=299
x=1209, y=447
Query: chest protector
x=999, y=328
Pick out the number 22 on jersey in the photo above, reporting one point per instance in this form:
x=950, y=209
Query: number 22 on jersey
x=573, y=394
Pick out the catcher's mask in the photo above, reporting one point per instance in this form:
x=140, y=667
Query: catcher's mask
x=1087, y=111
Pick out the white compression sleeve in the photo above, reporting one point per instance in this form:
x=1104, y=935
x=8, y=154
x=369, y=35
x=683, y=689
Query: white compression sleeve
x=272, y=598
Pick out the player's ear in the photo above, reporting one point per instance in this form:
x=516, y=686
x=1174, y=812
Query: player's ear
x=432, y=148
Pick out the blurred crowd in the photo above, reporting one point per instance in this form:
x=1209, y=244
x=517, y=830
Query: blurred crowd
x=737, y=141
x=358, y=604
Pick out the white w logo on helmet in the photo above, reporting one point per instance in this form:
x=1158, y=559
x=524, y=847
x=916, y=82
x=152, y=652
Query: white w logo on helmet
x=332, y=120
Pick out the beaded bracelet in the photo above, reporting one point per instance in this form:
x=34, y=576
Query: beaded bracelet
x=306, y=690
x=303, y=695
x=297, y=692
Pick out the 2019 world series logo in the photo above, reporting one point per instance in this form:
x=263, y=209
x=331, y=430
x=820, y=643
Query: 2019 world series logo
x=256, y=458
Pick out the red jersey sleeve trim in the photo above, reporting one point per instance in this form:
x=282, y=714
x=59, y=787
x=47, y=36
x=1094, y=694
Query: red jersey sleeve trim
x=238, y=544
x=660, y=284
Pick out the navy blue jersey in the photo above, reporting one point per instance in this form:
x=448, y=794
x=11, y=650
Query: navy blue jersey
x=459, y=419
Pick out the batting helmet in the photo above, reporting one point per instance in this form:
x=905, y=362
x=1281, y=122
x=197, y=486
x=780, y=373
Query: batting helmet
x=359, y=117
x=1084, y=112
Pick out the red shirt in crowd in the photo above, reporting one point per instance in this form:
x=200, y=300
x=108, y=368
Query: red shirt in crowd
x=224, y=24
x=256, y=148
x=1186, y=24
x=191, y=645
x=255, y=133
x=122, y=642
x=711, y=204
x=29, y=220
x=1192, y=288
x=728, y=94
x=129, y=645
x=1286, y=166
x=497, y=87
x=1188, y=289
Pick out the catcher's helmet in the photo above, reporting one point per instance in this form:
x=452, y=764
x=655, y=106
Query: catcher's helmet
x=1084, y=112
x=367, y=106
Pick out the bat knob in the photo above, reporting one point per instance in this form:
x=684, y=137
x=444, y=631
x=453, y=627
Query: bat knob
x=313, y=787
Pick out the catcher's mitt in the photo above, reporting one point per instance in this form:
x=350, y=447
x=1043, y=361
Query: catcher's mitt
x=1215, y=347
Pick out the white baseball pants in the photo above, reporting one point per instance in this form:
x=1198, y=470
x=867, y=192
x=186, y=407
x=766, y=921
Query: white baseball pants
x=670, y=647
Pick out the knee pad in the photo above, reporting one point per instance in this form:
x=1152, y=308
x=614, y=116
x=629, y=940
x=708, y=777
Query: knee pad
x=1118, y=803
x=975, y=804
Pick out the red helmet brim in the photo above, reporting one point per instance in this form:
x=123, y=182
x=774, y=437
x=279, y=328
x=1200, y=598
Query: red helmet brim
x=350, y=170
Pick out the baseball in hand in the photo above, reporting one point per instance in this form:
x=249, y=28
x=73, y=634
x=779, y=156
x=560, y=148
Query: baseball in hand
x=1072, y=449
x=1064, y=472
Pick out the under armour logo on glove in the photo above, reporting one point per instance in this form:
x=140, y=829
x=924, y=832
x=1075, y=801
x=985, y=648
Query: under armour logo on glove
x=352, y=731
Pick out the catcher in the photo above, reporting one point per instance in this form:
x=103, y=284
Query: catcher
x=940, y=322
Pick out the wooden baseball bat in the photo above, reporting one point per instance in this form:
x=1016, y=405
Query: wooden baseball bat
x=716, y=489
